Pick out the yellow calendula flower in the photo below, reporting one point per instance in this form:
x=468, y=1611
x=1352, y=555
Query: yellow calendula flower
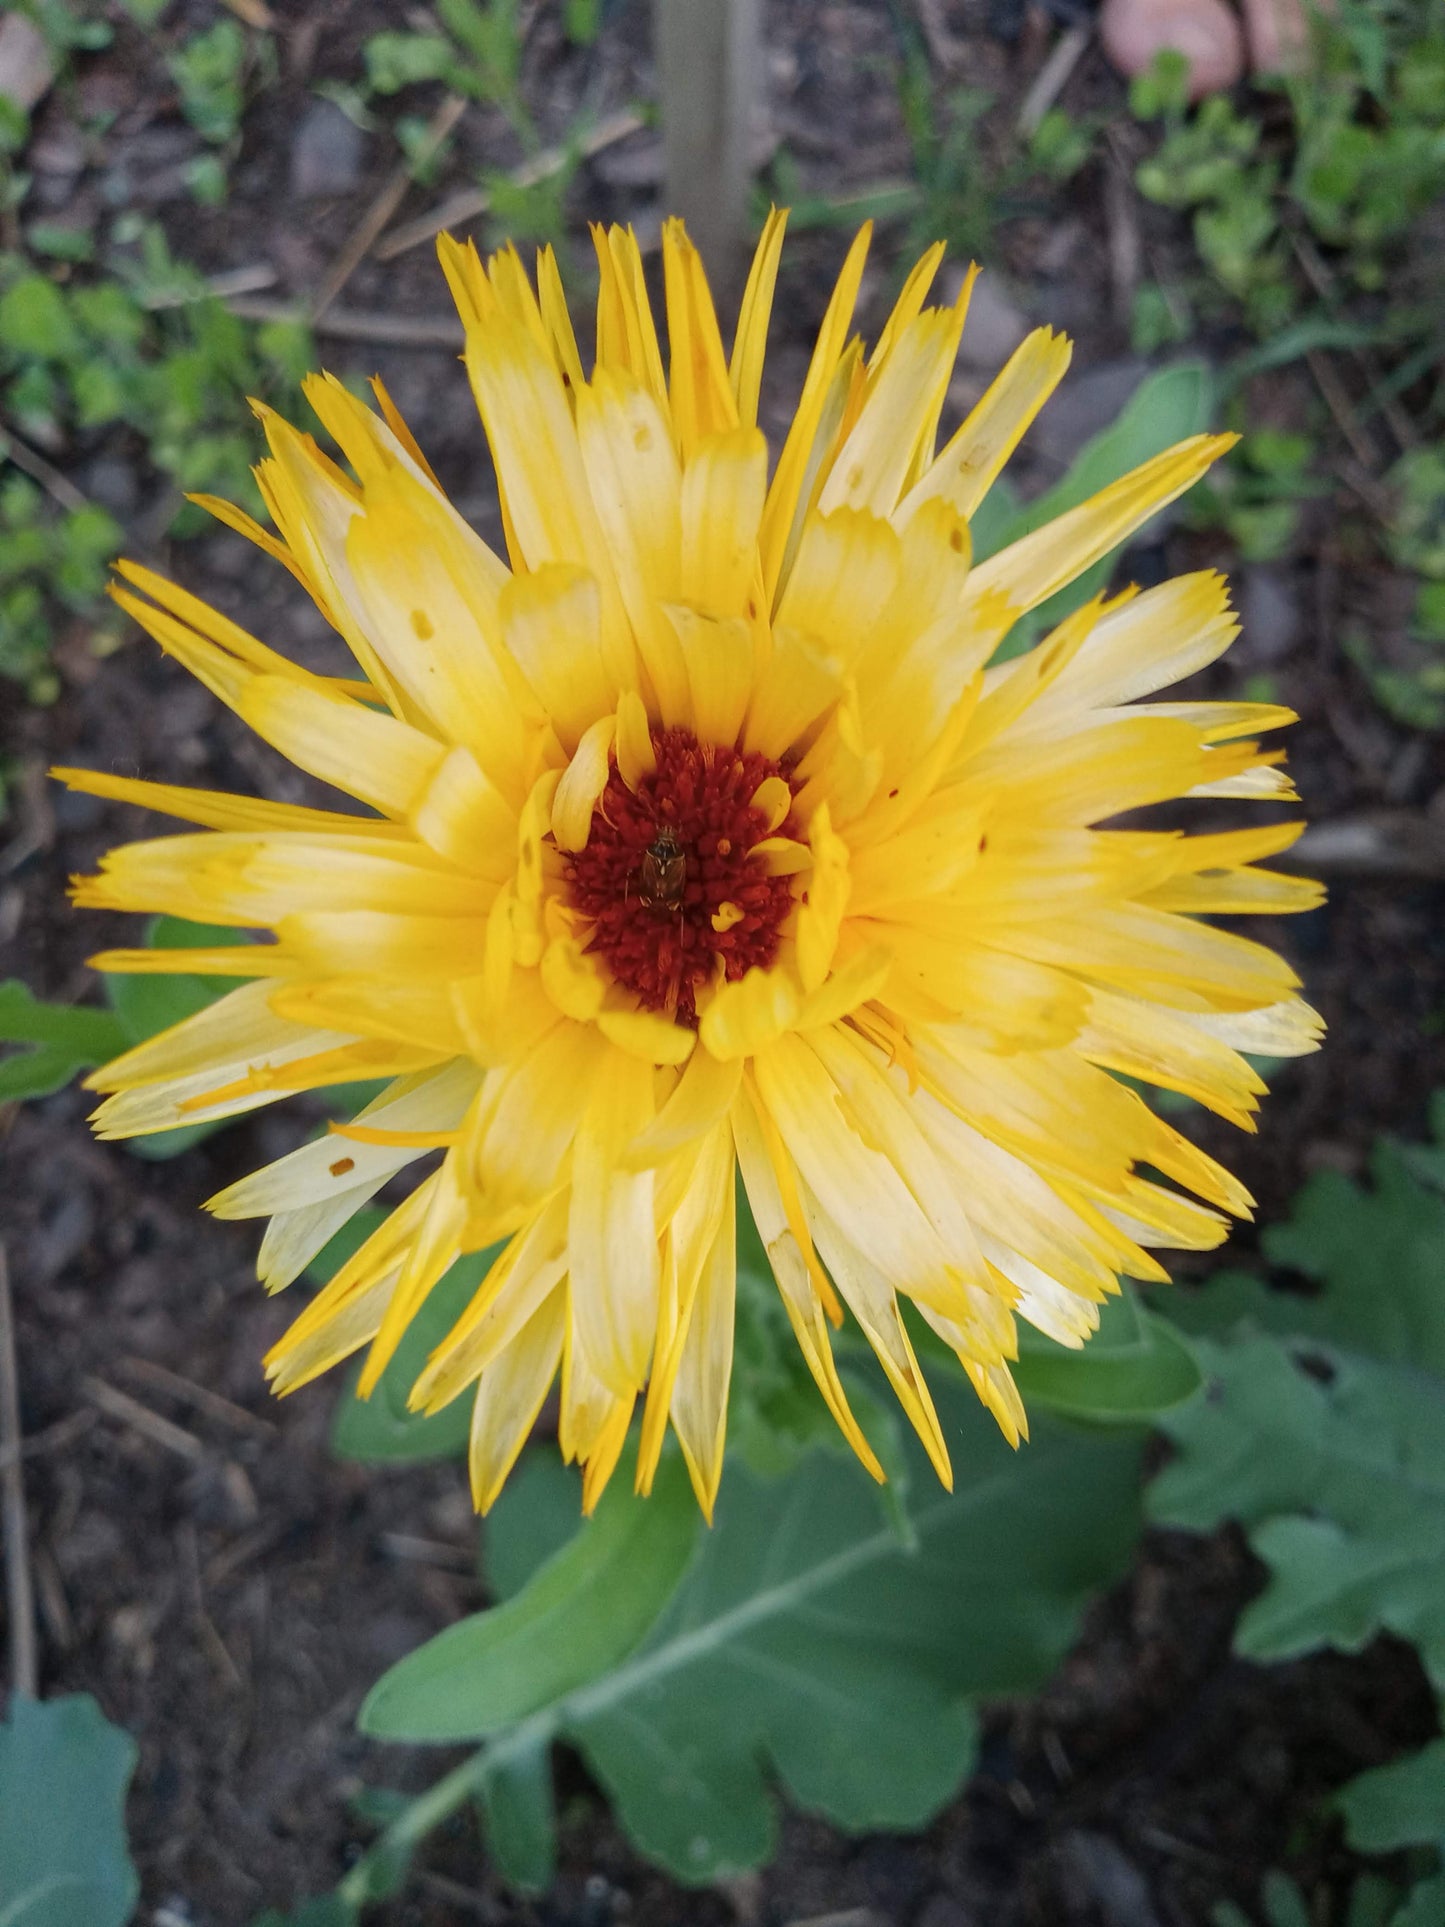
x=696, y=838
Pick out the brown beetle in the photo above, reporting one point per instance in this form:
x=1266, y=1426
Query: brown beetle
x=663, y=872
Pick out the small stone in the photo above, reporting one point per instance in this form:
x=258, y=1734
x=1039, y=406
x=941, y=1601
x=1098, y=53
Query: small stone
x=994, y=328
x=1269, y=616
x=942, y=1910
x=110, y=480
x=631, y=164
x=326, y=152
x=1085, y=404
x=1095, y=1868
x=26, y=68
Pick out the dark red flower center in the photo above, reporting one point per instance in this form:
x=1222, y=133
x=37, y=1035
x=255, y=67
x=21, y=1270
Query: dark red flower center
x=669, y=879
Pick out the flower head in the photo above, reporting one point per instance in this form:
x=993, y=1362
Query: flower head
x=699, y=837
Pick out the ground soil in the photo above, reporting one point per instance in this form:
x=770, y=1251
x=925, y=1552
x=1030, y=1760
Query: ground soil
x=228, y=1591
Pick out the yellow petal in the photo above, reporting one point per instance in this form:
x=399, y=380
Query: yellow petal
x=582, y=784
x=1029, y=571
x=611, y=1231
x=967, y=468
x=510, y=1397
x=744, y=1016
x=745, y=371
x=723, y=485
x=699, y=391
x=786, y=490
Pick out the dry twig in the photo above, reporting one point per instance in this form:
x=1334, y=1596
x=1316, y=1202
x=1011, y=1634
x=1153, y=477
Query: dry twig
x=1049, y=82
x=468, y=202
x=201, y=1396
x=217, y=287
x=39, y=470
x=378, y=215
x=140, y=1418
x=1341, y=407
x=359, y=324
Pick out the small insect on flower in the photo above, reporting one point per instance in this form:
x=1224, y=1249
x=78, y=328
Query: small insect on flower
x=704, y=837
x=663, y=873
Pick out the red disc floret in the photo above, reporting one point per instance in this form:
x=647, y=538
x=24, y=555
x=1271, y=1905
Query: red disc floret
x=661, y=862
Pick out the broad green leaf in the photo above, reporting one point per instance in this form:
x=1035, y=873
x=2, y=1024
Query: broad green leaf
x=1399, y=1805
x=519, y=1815
x=808, y=1642
x=60, y=1040
x=64, y=1770
x=1379, y=1255
x=580, y=1614
x=1166, y=408
x=1335, y=1465
x=539, y=1510
x=1135, y=1365
x=575, y=1619
x=808, y=1636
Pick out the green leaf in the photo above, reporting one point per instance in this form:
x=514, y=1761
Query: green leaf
x=1135, y=1365
x=520, y=1818
x=60, y=1040
x=397, y=60
x=64, y=1770
x=539, y=1510
x=1399, y=1805
x=581, y=1614
x=808, y=1641
x=34, y=320
x=1335, y=1465
x=380, y=1430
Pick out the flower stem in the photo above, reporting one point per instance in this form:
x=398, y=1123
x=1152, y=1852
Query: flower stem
x=374, y=1872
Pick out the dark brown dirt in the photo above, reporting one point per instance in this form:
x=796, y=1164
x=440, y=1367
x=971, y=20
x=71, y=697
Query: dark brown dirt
x=229, y=1592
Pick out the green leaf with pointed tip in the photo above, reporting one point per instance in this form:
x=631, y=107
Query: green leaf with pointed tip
x=1399, y=1805
x=580, y=1614
x=1134, y=1366
x=59, y=1040
x=64, y=1770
